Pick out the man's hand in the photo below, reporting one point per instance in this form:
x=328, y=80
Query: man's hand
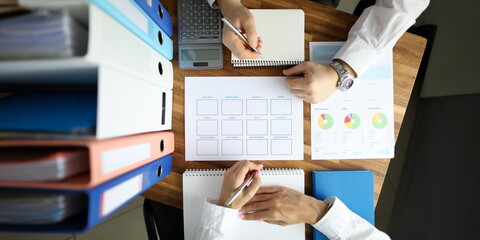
x=234, y=177
x=283, y=206
x=318, y=82
x=243, y=19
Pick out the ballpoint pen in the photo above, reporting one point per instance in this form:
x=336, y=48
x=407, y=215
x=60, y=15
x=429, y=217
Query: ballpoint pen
x=239, y=34
x=240, y=189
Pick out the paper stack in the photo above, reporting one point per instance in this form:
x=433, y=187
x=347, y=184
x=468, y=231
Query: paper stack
x=42, y=34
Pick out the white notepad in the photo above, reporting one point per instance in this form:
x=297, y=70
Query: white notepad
x=282, y=32
x=199, y=185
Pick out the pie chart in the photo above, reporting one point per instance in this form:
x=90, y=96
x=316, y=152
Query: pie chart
x=325, y=121
x=379, y=120
x=352, y=121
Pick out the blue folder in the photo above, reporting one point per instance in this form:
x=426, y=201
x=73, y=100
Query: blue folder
x=158, y=13
x=352, y=187
x=132, y=17
x=57, y=112
x=102, y=201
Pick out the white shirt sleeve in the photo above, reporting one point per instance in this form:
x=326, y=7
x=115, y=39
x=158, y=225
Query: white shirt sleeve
x=377, y=30
x=340, y=223
x=216, y=223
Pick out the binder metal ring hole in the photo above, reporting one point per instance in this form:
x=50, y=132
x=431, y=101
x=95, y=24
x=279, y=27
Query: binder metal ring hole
x=160, y=68
x=160, y=11
x=160, y=38
x=159, y=170
x=162, y=145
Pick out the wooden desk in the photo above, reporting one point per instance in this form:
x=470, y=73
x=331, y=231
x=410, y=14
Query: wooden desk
x=321, y=24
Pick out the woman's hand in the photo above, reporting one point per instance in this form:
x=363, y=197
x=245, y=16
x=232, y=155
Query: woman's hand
x=283, y=206
x=234, y=177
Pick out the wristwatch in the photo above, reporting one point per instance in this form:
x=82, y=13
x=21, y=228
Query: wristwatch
x=345, y=80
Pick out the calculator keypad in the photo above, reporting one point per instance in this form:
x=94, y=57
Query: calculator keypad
x=198, y=22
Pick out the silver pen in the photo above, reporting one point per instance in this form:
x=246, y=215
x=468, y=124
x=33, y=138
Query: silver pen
x=239, y=190
x=239, y=34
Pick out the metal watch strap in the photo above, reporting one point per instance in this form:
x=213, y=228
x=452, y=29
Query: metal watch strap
x=343, y=76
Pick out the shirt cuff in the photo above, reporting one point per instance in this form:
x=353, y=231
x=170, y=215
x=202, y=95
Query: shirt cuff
x=358, y=54
x=336, y=221
x=213, y=4
x=217, y=219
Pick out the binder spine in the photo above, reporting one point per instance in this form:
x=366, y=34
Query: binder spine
x=119, y=160
x=132, y=17
x=111, y=44
x=158, y=14
x=110, y=192
x=264, y=63
x=118, y=191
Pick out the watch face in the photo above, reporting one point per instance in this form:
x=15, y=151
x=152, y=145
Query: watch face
x=346, y=83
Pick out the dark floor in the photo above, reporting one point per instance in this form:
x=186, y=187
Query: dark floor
x=439, y=192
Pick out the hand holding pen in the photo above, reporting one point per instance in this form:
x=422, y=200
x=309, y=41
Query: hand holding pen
x=227, y=22
x=242, y=19
x=236, y=177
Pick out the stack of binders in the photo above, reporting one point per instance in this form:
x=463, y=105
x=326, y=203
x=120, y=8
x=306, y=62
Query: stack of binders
x=84, y=117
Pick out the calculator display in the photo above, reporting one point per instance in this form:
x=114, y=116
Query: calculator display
x=200, y=54
x=199, y=35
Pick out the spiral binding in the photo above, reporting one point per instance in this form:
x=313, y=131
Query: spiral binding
x=221, y=172
x=205, y=172
x=281, y=171
x=265, y=63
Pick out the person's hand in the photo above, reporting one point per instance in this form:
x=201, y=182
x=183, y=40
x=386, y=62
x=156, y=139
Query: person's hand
x=243, y=19
x=283, y=206
x=317, y=84
x=234, y=177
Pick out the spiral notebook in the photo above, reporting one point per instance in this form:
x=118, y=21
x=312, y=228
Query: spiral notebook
x=282, y=33
x=199, y=185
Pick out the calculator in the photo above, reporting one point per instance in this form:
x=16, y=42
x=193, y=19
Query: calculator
x=199, y=35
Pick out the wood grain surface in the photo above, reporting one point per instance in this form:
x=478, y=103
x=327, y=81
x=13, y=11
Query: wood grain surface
x=321, y=24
